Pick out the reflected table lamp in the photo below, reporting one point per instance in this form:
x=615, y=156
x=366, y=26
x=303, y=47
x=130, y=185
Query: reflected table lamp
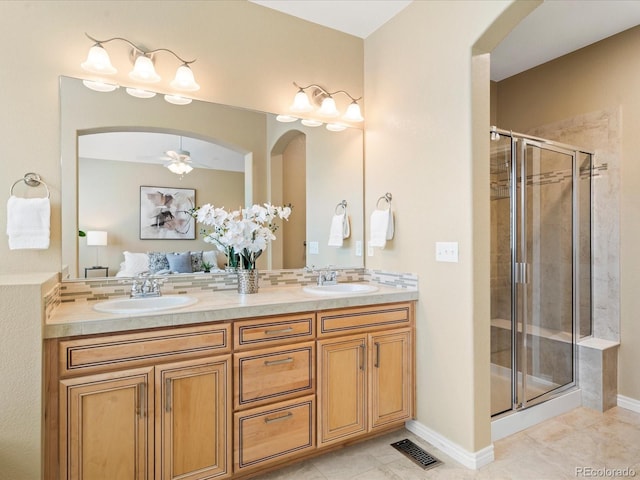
x=96, y=238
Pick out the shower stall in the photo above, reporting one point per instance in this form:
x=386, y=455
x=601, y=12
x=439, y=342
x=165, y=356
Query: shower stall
x=540, y=267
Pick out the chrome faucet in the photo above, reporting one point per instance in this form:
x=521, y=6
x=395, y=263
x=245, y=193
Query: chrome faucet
x=145, y=285
x=327, y=277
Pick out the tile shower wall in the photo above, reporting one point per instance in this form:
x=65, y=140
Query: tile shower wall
x=599, y=132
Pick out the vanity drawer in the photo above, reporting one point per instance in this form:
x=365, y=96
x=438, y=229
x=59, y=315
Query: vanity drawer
x=364, y=319
x=273, y=330
x=87, y=355
x=273, y=374
x=274, y=433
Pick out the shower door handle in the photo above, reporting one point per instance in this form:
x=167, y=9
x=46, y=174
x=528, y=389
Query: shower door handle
x=521, y=272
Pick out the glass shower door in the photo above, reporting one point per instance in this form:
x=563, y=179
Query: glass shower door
x=543, y=270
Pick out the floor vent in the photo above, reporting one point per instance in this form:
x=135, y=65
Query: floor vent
x=417, y=454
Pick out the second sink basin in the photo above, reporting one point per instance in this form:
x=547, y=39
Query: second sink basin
x=338, y=288
x=144, y=304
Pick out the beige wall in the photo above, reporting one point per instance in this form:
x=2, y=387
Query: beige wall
x=120, y=183
x=247, y=56
x=419, y=147
x=600, y=77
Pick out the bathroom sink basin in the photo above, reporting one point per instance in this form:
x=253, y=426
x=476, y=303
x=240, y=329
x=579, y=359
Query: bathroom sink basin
x=144, y=304
x=338, y=288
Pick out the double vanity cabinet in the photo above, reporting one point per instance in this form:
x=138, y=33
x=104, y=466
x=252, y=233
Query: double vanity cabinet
x=226, y=399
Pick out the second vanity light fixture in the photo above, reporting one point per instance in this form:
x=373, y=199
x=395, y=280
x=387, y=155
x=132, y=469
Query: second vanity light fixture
x=98, y=62
x=327, y=110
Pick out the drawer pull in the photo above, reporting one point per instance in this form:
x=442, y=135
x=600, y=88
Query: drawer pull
x=277, y=332
x=277, y=419
x=270, y=363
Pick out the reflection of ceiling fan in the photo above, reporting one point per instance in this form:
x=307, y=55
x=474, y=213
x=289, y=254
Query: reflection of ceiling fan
x=179, y=160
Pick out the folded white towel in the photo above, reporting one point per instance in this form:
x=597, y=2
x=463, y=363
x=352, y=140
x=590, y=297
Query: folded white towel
x=28, y=221
x=339, y=226
x=382, y=227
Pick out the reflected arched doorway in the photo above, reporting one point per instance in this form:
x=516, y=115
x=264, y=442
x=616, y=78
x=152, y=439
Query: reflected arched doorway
x=288, y=186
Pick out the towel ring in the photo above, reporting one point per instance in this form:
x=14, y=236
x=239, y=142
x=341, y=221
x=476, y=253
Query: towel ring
x=386, y=197
x=32, y=180
x=342, y=204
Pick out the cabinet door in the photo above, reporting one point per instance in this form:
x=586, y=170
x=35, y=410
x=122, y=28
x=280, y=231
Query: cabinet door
x=105, y=431
x=193, y=419
x=390, y=377
x=341, y=388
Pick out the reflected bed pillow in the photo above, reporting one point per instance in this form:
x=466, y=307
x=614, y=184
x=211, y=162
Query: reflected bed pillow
x=180, y=262
x=136, y=263
x=158, y=261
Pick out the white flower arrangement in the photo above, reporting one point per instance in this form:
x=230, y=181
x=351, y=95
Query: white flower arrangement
x=241, y=234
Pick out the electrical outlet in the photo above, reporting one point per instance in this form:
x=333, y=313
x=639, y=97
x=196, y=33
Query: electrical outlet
x=358, y=248
x=314, y=248
x=447, y=252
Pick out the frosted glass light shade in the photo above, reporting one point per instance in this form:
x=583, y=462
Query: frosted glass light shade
x=100, y=86
x=96, y=238
x=177, y=99
x=328, y=108
x=301, y=103
x=286, y=118
x=179, y=168
x=98, y=61
x=184, y=80
x=336, y=127
x=144, y=71
x=353, y=113
x=140, y=93
x=310, y=122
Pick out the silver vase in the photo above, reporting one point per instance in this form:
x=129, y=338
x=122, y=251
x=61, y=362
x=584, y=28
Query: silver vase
x=247, y=281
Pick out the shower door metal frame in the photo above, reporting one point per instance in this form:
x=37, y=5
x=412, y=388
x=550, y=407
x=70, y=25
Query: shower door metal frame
x=520, y=272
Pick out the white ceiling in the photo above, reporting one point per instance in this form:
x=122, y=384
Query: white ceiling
x=150, y=147
x=555, y=28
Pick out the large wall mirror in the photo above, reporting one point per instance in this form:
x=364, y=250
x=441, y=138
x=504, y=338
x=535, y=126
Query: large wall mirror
x=114, y=146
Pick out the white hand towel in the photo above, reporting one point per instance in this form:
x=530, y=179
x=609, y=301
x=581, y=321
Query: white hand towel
x=336, y=234
x=382, y=227
x=28, y=221
x=346, y=227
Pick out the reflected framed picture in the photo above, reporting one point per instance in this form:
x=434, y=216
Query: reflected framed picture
x=164, y=213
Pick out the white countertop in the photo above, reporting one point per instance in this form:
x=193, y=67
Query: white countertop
x=79, y=318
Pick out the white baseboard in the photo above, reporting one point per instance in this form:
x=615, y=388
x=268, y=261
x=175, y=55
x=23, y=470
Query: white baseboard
x=629, y=403
x=473, y=460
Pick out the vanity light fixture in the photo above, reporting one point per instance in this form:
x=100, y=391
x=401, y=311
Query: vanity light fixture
x=325, y=107
x=143, y=71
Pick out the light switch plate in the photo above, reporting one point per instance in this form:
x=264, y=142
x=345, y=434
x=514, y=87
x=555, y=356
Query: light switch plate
x=447, y=252
x=314, y=248
x=369, y=251
x=358, y=248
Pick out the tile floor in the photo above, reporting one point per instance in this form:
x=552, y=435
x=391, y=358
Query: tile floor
x=552, y=450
